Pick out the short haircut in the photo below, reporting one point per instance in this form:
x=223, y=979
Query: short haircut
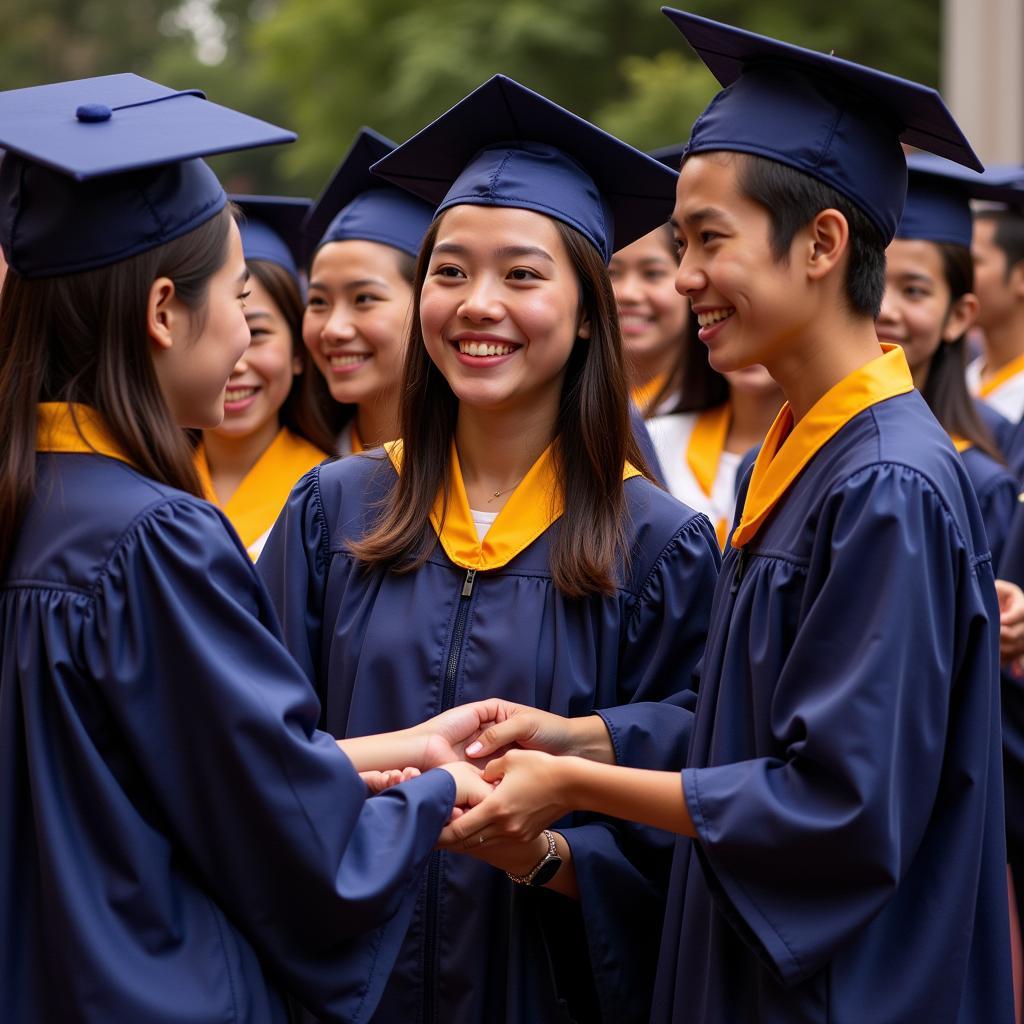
x=793, y=199
x=1009, y=234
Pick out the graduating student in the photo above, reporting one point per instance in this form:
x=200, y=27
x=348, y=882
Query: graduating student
x=276, y=423
x=511, y=544
x=842, y=778
x=997, y=375
x=652, y=317
x=928, y=307
x=716, y=420
x=367, y=234
x=177, y=841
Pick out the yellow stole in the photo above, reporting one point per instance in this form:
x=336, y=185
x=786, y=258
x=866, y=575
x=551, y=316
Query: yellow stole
x=70, y=427
x=643, y=394
x=261, y=495
x=531, y=508
x=704, y=452
x=1000, y=377
x=787, y=449
x=961, y=444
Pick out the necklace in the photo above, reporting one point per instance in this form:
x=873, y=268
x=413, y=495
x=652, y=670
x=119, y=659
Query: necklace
x=498, y=494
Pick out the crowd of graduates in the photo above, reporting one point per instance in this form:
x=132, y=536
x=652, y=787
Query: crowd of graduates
x=536, y=581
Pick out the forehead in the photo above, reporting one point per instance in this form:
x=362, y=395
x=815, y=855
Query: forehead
x=913, y=256
x=354, y=256
x=984, y=232
x=482, y=228
x=657, y=245
x=709, y=181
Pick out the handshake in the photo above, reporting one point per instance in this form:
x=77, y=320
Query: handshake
x=513, y=768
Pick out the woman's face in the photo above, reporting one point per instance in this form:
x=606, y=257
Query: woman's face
x=357, y=319
x=500, y=306
x=262, y=379
x=916, y=310
x=193, y=369
x=652, y=314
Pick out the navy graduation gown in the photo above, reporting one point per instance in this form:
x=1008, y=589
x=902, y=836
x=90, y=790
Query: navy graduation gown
x=177, y=842
x=843, y=771
x=996, y=491
x=388, y=650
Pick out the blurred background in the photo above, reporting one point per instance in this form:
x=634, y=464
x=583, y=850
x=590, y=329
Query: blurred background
x=325, y=67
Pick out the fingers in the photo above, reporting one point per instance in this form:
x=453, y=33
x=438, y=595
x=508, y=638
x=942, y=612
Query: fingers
x=518, y=729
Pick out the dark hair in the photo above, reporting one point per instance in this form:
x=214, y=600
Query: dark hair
x=945, y=390
x=793, y=199
x=593, y=442
x=309, y=410
x=337, y=415
x=1009, y=234
x=82, y=338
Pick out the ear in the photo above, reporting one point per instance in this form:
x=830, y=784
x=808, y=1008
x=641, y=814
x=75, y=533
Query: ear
x=162, y=313
x=583, y=328
x=828, y=237
x=960, y=318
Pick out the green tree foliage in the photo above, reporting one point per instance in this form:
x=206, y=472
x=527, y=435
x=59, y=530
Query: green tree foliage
x=325, y=67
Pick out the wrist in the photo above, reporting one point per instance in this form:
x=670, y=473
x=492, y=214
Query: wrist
x=590, y=739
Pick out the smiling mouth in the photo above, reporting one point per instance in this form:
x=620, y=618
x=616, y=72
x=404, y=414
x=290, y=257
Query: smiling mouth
x=484, y=348
x=714, y=316
x=239, y=394
x=348, y=358
x=634, y=321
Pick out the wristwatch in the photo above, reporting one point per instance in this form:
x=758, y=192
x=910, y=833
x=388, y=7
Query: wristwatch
x=545, y=870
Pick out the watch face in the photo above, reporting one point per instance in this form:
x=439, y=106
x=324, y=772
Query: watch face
x=547, y=871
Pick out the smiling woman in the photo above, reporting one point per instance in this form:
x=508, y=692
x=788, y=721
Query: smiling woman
x=515, y=538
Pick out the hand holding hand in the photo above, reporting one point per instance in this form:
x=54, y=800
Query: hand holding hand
x=1011, y=620
x=380, y=781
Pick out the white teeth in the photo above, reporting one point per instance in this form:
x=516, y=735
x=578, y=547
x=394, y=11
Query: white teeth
x=484, y=348
x=714, y=316
x=348, y=359
x=239, y=394
x=634, y=320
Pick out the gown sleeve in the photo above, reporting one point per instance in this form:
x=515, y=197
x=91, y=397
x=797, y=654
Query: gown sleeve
x=622, y=868
x=293, y=567
x=998, y=501
x=803, y=847
x=221, y=726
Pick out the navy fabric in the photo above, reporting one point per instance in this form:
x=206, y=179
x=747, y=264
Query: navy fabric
x=642, y=436
x=939, y=191
x=505, y=145
x=839, y=122
x=105, y=168
x=357, y=205
x=843, y=770
x=177, y=841
x=271, y=229
x=996, y=491
x=386, y=650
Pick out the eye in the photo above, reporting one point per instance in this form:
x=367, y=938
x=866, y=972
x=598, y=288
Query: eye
x=914, y=291
x=315, y=302
x=366, y=298
x=654, y=276
x=258, y=334
x=524, y=274
x=709, y=236
x=448, y=270
x=244, y=295
x=679, y=246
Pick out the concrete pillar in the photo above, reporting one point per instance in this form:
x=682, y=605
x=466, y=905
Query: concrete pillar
x=983, y=74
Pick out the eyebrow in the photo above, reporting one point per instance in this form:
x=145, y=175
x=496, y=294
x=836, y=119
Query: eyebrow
x=257, y=314
x=504, y=252
x=704, y=213
x=361, y=282
x=912, y=275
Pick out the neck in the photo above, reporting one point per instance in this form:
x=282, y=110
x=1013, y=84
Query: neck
x=1004, y=342
x=231, y=458
x=377, y=421
x=753, y=413
x=813, y=366
x=497, y=448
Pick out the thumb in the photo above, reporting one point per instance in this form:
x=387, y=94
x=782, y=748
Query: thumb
x=503, y=734
x=494, y=771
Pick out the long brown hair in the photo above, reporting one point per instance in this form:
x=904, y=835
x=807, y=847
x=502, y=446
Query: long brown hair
x=83, y=339
x=309, y=410
x=945, y=390
x=702, y=386
x=593, y=441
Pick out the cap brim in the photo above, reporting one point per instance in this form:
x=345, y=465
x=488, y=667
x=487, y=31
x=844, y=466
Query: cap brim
x=282, y=214
x=40, y=124
x=926, y=122
x=996, y=185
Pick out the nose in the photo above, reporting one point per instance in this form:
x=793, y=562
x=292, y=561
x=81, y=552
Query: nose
x=627, y=290
x=480, y=301
x=690, y=277
x=338, y=326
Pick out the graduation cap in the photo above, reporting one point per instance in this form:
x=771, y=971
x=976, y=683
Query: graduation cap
x=837, y=121
x=102, y=169
x=272, y=229
x=938, y=205
x=505, y=145
x=670, y=156
x=357, y=205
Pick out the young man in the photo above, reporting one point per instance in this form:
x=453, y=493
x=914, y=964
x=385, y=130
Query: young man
x=842, y=767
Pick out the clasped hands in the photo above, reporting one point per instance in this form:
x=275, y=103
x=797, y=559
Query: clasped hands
x=512, y=770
